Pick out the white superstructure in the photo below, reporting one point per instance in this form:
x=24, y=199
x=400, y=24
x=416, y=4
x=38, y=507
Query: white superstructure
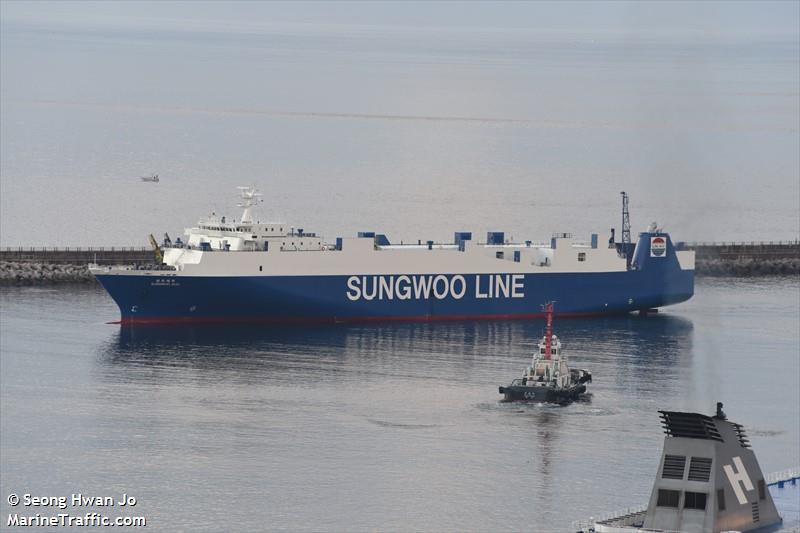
x=246, y=234
x=269, y=242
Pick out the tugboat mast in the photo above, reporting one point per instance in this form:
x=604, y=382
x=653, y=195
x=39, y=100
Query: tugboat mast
x=548, y=331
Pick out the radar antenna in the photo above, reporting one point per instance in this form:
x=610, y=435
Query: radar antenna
x=250, y=196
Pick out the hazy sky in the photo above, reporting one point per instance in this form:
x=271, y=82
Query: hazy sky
x=707, y=19
x=379, y=109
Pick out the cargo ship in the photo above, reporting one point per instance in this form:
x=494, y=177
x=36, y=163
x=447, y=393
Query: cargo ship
x=246, y=270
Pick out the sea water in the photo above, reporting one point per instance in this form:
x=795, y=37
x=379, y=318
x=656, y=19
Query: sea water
x=377, y=426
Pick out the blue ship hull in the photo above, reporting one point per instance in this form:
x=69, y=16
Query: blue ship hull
x=288, y=299
x=322, y=298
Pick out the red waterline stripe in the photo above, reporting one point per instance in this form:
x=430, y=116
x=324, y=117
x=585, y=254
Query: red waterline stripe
x=141, y=321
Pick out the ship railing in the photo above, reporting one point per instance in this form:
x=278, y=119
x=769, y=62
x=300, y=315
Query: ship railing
x=515, y=244
x=775, y=478
x=630, y=514
x=144, y=268
x=621, y=518
x=624, y=516
x=721, y=244
x=651, y=530
x=323, y=248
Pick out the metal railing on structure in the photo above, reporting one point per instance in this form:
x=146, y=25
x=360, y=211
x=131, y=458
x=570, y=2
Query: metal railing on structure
x=722, y=244
x=623, y=515
x=783, y=476
x=618, y=515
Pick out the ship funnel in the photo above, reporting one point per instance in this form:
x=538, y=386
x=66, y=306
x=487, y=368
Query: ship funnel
x=708, y=478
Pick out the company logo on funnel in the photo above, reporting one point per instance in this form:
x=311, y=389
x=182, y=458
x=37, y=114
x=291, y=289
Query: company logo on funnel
x=658, y=246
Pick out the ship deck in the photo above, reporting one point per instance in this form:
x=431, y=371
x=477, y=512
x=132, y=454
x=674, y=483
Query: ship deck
x=783, y=486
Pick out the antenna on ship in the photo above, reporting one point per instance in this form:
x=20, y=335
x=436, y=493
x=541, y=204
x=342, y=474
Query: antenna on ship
x=548, y=330
x=626, y=219
x=626, y=229
x=250, y=196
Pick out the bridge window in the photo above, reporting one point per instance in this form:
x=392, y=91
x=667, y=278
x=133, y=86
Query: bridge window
x=668, y=498
x=694, y=500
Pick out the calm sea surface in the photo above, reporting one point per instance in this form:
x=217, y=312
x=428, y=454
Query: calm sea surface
x=379, y=426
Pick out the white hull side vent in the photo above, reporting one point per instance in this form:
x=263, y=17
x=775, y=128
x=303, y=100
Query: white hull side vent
x=700, y=469
x=674, y=466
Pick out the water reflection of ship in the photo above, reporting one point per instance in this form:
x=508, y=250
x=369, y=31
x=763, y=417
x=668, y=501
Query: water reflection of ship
x=628, y=347
x=547, y=423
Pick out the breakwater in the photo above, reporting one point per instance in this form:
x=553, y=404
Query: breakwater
x=43, y=266
x=34, y=266
x=745, y=259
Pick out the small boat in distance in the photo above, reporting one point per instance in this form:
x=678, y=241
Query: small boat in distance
x=152, y=178
x=549, y=378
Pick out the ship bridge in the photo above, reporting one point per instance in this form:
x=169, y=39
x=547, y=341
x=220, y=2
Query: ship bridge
x=221, y=233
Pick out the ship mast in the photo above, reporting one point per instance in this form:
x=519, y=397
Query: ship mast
x=627, y=249
x=250, y=197
x=548, y=331
x=626, y=219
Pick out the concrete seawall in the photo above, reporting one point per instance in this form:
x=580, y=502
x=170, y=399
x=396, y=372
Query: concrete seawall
x=35, y=266
x=745, y=259
x=71, y=255
x=44, y=266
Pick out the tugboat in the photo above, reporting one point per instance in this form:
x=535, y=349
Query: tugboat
x=549, y=378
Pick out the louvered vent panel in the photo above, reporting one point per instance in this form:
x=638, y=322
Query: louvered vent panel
x=674, y=466
x=699, y=469
x=756, y=516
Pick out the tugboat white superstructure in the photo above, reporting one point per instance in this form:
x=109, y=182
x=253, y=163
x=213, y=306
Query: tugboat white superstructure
x=549, y=378
x=247, y=270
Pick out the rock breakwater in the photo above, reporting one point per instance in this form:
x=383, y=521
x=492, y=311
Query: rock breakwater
x=747, y=267
x=30, y=273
